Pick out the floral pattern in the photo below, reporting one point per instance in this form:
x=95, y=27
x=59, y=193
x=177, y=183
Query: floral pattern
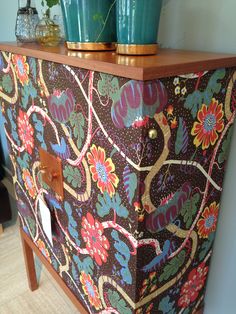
x=29, y=183
x=209, y=124
x=21, y=67
x=96, y=243
x=26, y=131
x=102, y=170
x=90, y=290
x=118, y=241
x=207, y=224
x=190, y=290
x=42, y=247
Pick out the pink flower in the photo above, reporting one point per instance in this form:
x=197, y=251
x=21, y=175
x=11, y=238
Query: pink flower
x=26, y=131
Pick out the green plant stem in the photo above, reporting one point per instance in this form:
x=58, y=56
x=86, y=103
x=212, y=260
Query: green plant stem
x=105, y=21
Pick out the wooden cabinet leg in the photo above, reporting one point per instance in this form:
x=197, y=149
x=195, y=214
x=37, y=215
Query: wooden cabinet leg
x=30, y=265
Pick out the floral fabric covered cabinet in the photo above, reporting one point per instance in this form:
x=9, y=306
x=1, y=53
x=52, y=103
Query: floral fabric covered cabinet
x=143, y=158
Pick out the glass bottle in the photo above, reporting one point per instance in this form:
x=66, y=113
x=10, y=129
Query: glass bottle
x=26, y=21
x=47, y=32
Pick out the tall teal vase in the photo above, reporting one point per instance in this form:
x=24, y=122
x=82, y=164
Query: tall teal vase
x=89, y=24
x=137, y=26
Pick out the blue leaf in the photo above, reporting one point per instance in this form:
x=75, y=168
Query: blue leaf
x=181, y=143
x=61, y=150
x=85, y=265
x=105, y=204
x=130, y=183
x=33, y=68
x=122, y=256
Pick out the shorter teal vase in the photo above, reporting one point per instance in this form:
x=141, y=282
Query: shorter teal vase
x=89, y=24
x=137, y=26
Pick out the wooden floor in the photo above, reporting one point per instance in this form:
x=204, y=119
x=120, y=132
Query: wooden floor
x=15, y=297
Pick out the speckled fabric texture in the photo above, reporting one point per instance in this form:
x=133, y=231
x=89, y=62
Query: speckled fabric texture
x=143, y=167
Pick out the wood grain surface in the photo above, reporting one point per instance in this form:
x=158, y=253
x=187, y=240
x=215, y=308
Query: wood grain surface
x=166, y=63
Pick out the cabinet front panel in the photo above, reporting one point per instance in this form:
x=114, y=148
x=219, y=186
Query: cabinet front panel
x=143, y=167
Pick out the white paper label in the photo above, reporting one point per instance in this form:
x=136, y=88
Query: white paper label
x=46, y=219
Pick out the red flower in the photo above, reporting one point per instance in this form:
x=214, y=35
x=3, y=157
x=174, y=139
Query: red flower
x=102, y=170
x=90, y=290
x=207, y=224
x=29, y=183
x=22, y=68
x=96, y=243
x=26, y=131
x=190, y=289
x=140, y=122
x=145, y=310
x=209, y=124
x=149, y=284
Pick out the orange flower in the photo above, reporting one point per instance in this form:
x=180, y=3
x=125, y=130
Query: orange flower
x=22, y=68
x=209, y=124
x=174, y=123
x=42, y=248
x=90, y=290
x=207, y=224
x=29, y=183
x=170, y=110
x=102, y=170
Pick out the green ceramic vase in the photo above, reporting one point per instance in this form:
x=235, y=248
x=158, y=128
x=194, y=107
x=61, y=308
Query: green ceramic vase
x=89, y=24
x=137, y=26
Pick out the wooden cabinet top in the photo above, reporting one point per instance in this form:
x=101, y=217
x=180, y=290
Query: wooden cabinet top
x=167, y=62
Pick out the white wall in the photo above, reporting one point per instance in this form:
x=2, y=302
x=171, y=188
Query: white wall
x=199, y=25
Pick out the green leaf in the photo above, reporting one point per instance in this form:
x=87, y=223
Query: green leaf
x=72, y=176
x=195, y=100
x=28, y=91
x=173, y=266
x=7, y=83
x=109, y=86
x=166, y=307
x=206, y=246
x=51, y=3
x=78, y=123
x=225, y=147
x=189, y=209
x=117, y=302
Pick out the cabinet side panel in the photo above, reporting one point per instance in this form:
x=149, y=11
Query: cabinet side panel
x=180, y=202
